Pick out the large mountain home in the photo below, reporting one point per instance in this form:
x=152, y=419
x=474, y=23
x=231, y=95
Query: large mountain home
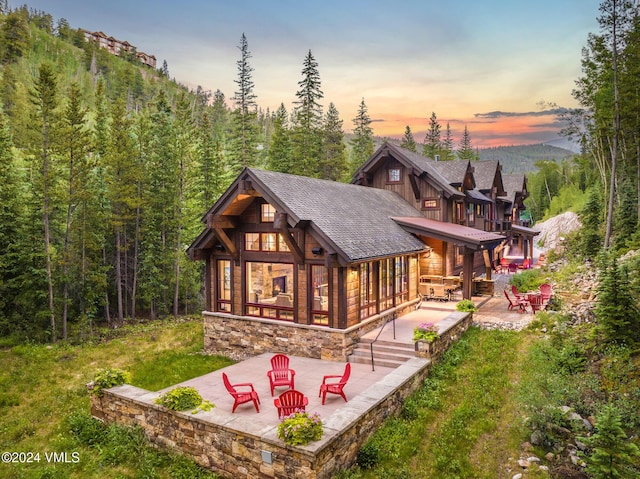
x=306, y=266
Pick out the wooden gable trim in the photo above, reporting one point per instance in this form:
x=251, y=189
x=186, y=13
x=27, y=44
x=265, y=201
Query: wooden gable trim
x=218, y=224
x=280, y=224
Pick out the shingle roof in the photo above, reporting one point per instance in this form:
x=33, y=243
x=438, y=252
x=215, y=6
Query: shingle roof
x=453, y=170
x=485, y=172
x=356, y=219
x=513, y=184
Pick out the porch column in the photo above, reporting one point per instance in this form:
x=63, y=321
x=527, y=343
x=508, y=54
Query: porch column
x=467, y=273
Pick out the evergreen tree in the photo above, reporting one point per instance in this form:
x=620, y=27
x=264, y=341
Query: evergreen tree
x=45, y=101
x=408, y=143
x=613, y=455
x=11, y=217
x=333, y=161
x=432, y=145
x=279, y=157
x=616, y=311
x=244, y=138
x=121, y=193
x=362, y=144
x=591, y=238
x=307, y=127
x=75, y=139
x=465, y=150
x=15, y=36
x=447, y=145
x=625, y=218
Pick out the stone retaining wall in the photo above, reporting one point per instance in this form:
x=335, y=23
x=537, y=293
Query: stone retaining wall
x=242, y=337
x=219, y=441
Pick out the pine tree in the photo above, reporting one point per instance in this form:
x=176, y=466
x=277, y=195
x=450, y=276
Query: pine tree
x=333, y=160
x=75, y=139
x=362, y=142
x=244, y=137
x=616, y=311
x=613, y=455
x=408, y=143
x=45, y=100
x=15, y=36
x=447, y=145
x=11, y=217
x=432, y=145
x=307, y=124
x=465, y=151
x=591, y=239
x=279, y=157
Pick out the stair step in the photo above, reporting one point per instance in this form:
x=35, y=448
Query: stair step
x=387, y=363
x=396, y=355
x=385, y=343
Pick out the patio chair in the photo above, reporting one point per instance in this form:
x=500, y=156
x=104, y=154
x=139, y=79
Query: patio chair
x=513, y=268
x=241, y=397
x=521, y=305
x=535, y=301
x=546, y=292
x=289, y=402
x=439, y=292
x=526, y=264
x=280, y=374
x=333, y=387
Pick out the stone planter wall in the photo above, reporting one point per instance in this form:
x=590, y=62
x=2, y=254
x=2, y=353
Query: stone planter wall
x=215, y=440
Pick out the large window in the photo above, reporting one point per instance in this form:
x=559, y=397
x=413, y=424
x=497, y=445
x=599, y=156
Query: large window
x=401, y=273
x=386, y=283
x=269, y=242
x=367, y=291
x=223, y=289
x=267, y=213
x=320, y=300
x=270, y=291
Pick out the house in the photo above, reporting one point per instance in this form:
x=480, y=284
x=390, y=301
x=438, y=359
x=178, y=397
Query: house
x=115, y=46
x=307, y=266
x=520, y=235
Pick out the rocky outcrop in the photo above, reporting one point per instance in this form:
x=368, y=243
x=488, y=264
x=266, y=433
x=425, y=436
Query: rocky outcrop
x=554, y=230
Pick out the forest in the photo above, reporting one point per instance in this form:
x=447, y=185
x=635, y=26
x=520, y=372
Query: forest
x=106, y=166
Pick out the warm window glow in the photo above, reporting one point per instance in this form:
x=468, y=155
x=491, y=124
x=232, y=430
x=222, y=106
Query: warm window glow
x=268, y=213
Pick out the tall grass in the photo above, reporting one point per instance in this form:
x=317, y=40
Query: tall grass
x=44, y=404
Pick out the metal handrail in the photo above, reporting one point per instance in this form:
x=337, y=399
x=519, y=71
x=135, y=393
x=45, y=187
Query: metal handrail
x=393, y=319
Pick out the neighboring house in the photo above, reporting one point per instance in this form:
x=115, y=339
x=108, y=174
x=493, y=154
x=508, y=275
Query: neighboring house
x=521, y=235
x=115, y=46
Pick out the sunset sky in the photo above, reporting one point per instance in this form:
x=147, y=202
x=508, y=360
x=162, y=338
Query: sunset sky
x=484, y=64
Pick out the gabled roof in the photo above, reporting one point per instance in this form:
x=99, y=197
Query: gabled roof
x=350, y=220
x=514, y=184
x=485, y=172
x=455, y=171
x=417, y=164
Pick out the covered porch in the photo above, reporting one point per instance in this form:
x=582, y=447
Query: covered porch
x=466, y=243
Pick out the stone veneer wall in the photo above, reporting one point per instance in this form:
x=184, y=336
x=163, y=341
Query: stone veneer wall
x=213, y=441
x=241, y=337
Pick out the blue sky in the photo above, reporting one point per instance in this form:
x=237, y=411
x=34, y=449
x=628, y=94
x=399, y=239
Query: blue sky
x=461, y=60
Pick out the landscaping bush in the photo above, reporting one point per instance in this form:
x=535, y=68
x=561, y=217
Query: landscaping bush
x=183, y=398
x=108, y=378
x=300, y=428
x=467, y=306
x=425, y=332
x=527, y=280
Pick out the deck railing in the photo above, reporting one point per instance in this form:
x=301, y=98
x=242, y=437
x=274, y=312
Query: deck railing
x=393, y=320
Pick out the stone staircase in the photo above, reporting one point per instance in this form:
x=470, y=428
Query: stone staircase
x=390, y=354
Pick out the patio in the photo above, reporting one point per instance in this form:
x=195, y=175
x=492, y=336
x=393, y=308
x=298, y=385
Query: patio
x=245, y=443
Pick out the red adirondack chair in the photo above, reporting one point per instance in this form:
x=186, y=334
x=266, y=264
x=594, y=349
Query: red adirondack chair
x=289, y=402
x=513, y=268
x=241, y=397
x=545, y=291
x=333, y=387
x=520, y=304
x=280, y=374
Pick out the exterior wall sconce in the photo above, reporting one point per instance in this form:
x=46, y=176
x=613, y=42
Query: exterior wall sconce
x=317, y=251
x=427, y=254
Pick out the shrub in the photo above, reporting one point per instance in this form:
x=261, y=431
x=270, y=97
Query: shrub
x=368, y=455
x=466, y=305
x=182, y=398
x=108, y=378
x=425, y=331
x=300, y=428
